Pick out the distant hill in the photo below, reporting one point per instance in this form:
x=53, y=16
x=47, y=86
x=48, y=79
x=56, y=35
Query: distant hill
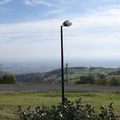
x=52, y=76
x=30, y=77
x=74, y=74
x=117, y=72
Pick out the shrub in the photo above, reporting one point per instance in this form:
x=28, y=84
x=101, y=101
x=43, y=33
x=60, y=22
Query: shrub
x=69, y=111
x=114, y=81
x=86, y=80
x=101, y=82
x=7, y=79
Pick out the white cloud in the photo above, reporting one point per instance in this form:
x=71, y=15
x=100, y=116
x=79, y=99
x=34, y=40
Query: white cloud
x=30, y=27
x=28, y=2
x=4, y=1
x=94, y=35
x=39, y=2
x=107, y=18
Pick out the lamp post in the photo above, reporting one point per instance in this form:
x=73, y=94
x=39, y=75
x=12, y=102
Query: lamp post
x=66, y=23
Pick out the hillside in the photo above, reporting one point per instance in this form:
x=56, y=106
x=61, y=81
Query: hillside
x=74, y=74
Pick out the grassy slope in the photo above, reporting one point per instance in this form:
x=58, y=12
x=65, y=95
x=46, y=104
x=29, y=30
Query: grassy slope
x=10, y=101
x=76, y=73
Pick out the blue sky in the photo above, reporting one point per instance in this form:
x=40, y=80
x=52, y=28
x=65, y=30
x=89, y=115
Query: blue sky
x=30, y=29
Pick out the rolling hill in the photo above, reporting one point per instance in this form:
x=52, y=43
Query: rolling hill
x=74, y=74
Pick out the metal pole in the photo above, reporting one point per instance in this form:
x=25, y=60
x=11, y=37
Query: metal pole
x=67, y=72
x=1, y=69
x=62, y=66
x=90, y=72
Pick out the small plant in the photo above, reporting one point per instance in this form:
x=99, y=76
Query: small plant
x=107, y=114
x=69, y=111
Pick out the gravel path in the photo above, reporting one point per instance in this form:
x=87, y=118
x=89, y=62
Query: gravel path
x=15, y=88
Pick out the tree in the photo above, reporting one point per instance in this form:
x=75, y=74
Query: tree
x=7, y=79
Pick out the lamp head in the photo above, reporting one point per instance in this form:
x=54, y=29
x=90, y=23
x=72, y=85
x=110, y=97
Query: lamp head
x=66, y=23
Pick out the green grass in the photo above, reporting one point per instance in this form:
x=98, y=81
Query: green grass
x=9, y=102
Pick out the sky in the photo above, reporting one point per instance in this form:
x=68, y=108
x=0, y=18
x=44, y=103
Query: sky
x=30, y=30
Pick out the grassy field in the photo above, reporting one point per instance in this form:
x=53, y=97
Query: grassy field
x=9, y=102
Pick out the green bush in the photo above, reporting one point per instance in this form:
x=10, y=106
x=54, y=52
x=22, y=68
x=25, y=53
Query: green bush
x=102, y=82
x=7, y=79
x=69, y=111
x=114, y=81
x=86, y=80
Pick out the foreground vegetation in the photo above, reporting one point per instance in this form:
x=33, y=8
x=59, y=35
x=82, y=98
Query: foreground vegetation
x=69, y=111
x=10, y=102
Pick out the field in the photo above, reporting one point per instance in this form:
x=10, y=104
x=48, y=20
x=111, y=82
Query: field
x=9, y=102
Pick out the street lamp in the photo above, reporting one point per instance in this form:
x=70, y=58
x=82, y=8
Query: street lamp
x=66, y=23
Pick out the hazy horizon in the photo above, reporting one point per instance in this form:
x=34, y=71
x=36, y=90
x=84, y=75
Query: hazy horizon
x=22, y=67
x=72, y=62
